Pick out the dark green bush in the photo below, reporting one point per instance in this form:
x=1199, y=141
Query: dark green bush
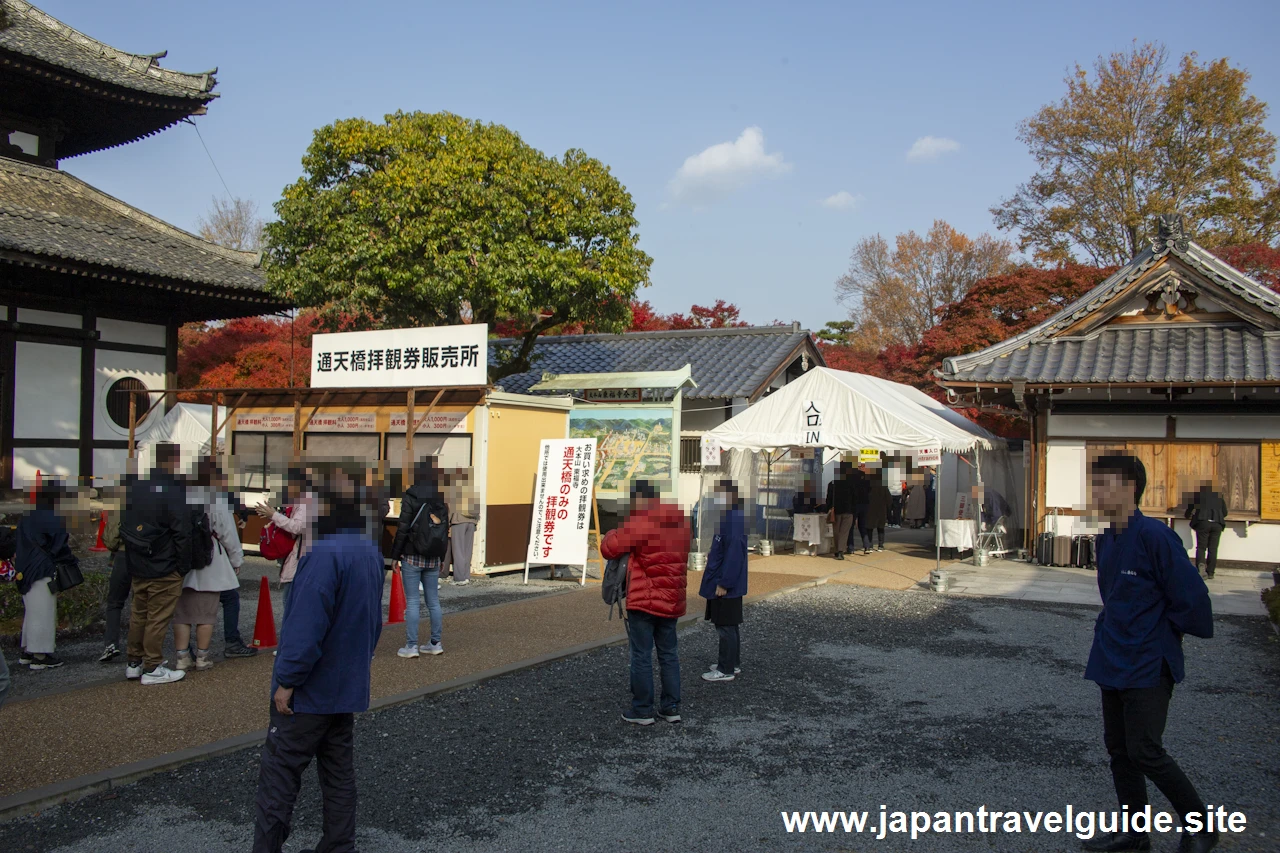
x=78, y=608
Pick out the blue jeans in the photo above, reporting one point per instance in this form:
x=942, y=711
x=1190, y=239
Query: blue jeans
x=646, y=632
x=429, y=580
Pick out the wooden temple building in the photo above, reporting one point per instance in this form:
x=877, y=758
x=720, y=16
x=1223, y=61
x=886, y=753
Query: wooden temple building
x=92, y=290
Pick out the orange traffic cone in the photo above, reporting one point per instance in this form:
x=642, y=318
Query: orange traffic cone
x=36, y=490
x=395, y=613
x=99, y=546
x=264, y=627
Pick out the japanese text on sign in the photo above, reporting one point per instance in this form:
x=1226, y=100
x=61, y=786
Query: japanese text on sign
x=928, y=456
x=433, y=357
x=562, y=502
x=811, y=422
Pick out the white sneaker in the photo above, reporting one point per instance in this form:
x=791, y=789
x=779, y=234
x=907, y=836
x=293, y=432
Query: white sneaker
x=716, y=675
x=460, y=583
x=162, y=675
x=435, y=649
x=409, y=651
x=737, y=670
x=185, y=661
x=133, y=672
x=203, y=662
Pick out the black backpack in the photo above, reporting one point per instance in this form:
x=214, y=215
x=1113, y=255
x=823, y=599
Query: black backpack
x=201, y=539
x=613, y=586
x=430, y=538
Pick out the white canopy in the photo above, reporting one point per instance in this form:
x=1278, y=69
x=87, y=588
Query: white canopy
x=847, y=412
x=188, y=425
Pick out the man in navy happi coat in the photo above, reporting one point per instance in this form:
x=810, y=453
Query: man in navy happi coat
x=1151, y=596
x=321, y=676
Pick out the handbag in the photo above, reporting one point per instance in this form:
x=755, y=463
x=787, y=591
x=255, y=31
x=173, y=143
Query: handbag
x=66, y=575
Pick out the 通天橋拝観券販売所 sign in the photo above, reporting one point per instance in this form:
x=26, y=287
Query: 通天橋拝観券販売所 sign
x=439, y=357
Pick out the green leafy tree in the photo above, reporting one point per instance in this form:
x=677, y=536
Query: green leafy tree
x=1128, y=143
x=431, y=219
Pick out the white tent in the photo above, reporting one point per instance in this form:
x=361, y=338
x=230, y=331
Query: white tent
x=847, y=412
x=187, y=425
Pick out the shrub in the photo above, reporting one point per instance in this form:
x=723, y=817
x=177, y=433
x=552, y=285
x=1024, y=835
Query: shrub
x=1271, y=600
x=78, y=608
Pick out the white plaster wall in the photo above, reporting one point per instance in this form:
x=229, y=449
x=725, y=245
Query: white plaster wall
x=50, y=318
x=1228, y=426
x=1107, y=426
x=46, y=391
x=61, y=462
x=1259, y=543
x=128, y=332
x=703, y=415
x=110, y=366
x=1065, y=462
x=108, y=465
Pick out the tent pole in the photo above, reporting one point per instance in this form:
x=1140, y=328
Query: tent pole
x=937, y=512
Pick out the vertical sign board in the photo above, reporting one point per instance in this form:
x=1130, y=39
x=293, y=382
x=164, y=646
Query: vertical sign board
x=562, y=502
x=710, y=451
x=439, y=357
x=1270, y=509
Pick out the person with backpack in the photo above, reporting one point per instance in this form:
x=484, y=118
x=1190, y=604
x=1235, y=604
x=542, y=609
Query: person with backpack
x=42, y=545
x=1208, y=513
x=655, y=537
x=216, y=544
x=418, y=551
x=156, y=529
x=724, y=582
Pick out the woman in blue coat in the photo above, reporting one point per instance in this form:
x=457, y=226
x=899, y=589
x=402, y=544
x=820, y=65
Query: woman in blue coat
x=724, y=582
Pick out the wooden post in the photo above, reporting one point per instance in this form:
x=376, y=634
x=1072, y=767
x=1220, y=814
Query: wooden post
x=406, y=465
x=297, y=429
x=213, y=430
x=133, y=422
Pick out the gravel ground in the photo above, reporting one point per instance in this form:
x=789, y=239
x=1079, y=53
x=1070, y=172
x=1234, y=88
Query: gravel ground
x=81, y=654
x=852, y=698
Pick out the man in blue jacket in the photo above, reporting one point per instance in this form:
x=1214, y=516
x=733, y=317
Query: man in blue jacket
x=1151, y=596
x=724, y=582
x=321, y=676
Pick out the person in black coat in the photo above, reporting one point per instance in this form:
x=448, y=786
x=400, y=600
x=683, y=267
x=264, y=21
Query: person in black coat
x=1208, y=513
x=42, y=544
x=421, y=505
x=840, y=508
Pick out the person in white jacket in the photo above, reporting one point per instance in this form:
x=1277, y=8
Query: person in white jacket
x=198, y=605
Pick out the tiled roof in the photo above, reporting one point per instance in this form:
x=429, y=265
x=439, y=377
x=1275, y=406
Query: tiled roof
x=49, y=213
x=1194, y=353
x=33, y=33
x=725, y=362
x=1173, y=355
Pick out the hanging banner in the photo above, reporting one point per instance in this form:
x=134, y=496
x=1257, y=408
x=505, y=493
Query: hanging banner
x=710, y=452
x=562, y=502
x=811, y=422
x=264, y=422
x=435, y=422
x=928, y=456
x=359, y=422
x=439, y=357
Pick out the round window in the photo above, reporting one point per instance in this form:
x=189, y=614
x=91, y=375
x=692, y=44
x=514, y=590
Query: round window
x=118, y=400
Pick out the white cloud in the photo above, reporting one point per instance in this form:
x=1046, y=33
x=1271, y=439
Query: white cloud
x=843, y=200
x=931, y=147
x=724, y=168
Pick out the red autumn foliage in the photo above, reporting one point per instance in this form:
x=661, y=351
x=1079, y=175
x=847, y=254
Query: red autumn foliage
x=1259, y=261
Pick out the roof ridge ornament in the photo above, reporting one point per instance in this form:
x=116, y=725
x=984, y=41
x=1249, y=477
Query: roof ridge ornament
x=1171, y=233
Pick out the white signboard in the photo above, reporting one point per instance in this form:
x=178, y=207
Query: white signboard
x=264, y=423
x=562, y=502
x=443, y=356
x=710, y=451
x=436, y=422
x=928, y=456
x=811, y=422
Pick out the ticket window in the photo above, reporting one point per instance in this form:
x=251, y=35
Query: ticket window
x=340, y=446
x=260, y=460
x=450, y=451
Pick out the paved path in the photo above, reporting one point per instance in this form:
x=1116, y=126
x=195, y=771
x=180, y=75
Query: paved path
x=1233, y=592
x=50, y=739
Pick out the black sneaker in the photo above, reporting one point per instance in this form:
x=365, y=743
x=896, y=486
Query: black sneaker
x=238, y=650
x=109, y=653
x=39, y=662
x=636, y=721
x=24, y=657
x=670, y=717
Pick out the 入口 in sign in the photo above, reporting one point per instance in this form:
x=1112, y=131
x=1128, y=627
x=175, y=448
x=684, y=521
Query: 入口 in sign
x=811, y=422
x=443, y=356
x=928, y=456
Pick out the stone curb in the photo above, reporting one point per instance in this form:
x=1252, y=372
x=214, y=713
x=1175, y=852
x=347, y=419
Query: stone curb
x=78, y=787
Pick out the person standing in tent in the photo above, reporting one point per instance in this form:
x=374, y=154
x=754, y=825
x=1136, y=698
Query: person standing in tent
x=724, y=582
x=916, y=504
x=877, y=509
x=840, y=507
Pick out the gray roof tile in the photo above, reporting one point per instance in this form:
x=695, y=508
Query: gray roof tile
x=38, y=35
x=725, y=362
x=53, y=214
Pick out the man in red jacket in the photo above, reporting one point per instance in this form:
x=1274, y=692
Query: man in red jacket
x=656, y=536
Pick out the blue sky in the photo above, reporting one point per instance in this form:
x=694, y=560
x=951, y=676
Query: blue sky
x=808, y=102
